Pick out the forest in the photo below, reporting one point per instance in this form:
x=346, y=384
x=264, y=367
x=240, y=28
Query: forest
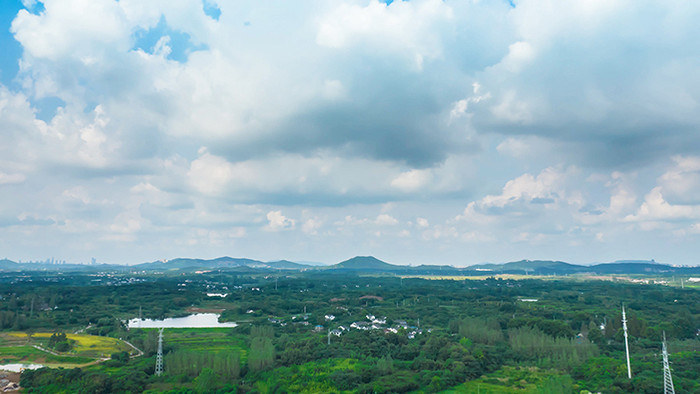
x=349, y=332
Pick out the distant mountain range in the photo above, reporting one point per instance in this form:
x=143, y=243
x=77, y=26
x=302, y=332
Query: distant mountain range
x=368, y=264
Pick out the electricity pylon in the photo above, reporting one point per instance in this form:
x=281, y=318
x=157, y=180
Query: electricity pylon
x=159, y=356
x=627, y=347
x=668, y=381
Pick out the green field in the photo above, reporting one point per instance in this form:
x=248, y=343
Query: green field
x=515, y=380
x=30, y=354
x=311, y=377
x=18, y=347
x=210, y=340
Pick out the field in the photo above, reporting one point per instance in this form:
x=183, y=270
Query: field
x=209, y=340
x=20, y=347
x=516, y=380
x=312, y=377
x=30, y=354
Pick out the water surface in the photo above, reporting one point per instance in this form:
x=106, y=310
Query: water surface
x=18, y=367
x=197, y=320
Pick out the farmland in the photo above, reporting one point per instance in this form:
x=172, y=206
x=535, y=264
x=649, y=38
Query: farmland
x=21, y=347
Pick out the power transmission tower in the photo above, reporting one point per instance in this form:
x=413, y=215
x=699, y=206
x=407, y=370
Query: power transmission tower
x=668, y=381
x=627, y=347
x=159, y=356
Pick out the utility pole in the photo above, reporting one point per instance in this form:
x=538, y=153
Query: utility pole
x=139, y=316
x=627, y=348
x=159, y=356
x=668, y=381
x=329, y=335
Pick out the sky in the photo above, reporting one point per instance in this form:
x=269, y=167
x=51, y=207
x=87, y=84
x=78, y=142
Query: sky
x=420, y=132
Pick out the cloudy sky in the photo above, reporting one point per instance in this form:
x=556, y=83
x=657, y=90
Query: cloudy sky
x=427, y=131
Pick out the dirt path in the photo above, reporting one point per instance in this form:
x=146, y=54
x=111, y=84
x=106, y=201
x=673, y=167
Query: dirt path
x=140, y=353
x=46, y=350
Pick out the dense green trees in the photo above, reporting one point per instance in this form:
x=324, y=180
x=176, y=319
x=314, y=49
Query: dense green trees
x=59, y=342
x=533, y=344
x=261, y=354
x=461, y=331
x=226, y=364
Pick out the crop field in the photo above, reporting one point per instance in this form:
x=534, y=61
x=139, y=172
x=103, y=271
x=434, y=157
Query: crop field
x=30, y=354
x=211, y=340
x=512, y=380
x=311, y=377
x=19, y=346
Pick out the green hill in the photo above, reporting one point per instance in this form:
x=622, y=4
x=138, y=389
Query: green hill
x=366, y=263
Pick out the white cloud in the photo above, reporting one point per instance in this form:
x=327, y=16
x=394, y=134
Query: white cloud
x=404, y=27
x=412, y=180
x=386, y=220
x=681, y=183
x=210, y=174
x=311, y=226
x=8, y=179
x=421, y=106
x=277, y=221
x=656, y=208
x=519, y=54
x=543, y=189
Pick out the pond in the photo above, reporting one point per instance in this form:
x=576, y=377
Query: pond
x=19, y=367
x=197, y=320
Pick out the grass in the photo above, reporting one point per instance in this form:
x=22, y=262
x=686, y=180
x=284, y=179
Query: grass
x=18, y=347
x=89, y=345
x=311, y=377
x=508, y=380
x=205, y=340
x=29, y=354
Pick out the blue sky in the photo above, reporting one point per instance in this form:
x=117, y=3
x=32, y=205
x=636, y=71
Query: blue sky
x=427, y=131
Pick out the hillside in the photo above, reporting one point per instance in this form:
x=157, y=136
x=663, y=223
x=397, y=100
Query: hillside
x=530, y=266
x=367, y=263
x=225, y=262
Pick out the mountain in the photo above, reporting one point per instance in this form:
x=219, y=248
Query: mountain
x=366, y=263
x=225, y=262
x=287, y=265
x=6, y=264
x=312, y=263
x=652, y=261
x=640, y=268
x=544, y=267
x=369, y=264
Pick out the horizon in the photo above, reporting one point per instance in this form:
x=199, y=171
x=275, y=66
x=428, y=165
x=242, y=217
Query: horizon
x=426, y=131
x=51, y=261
